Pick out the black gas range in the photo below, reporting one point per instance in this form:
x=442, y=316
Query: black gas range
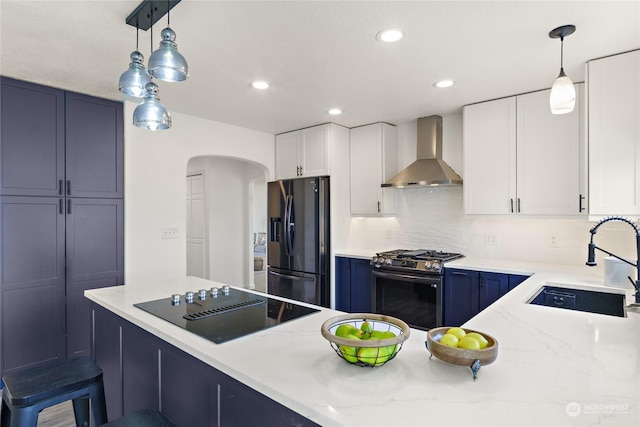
x=419, y=261
x=408, y=284
x=223, y=314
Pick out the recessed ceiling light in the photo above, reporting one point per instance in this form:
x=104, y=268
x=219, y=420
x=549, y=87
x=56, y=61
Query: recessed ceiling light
x=335, y=111
x=260, y=85
x=389, y=36
x=444, y=83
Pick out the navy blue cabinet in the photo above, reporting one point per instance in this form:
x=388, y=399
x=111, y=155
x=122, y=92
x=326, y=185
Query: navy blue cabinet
x=468, y=292
x=61, y=185
x=32, y=136
x=144, y=371
x=353, y=285
x=460, y=300
x=33, y=281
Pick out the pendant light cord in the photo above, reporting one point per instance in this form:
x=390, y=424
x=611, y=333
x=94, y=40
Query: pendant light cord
x=168, y=13
x=561, y=52
x=137, y=36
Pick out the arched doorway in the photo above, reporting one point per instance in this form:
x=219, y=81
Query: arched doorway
x=226, y=218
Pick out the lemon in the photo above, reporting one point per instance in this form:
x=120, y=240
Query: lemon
x=469, y=343
x=449, y=340
x=478, y=337
x=458, y=332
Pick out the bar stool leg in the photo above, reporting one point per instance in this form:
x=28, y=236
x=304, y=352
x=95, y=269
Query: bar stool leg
x=24, y=418
x=81, y=411
x=98, y=403
x=6, y=415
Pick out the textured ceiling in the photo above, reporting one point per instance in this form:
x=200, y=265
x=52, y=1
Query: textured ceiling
x=318, y=54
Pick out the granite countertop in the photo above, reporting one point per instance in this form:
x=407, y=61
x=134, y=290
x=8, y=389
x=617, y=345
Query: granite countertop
x=555, y=367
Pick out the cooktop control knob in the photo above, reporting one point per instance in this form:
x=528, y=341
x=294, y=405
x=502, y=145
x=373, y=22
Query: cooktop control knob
x=188, y=297
x=175, y=299
x=389, y=261
x=225, y=289
x=202, y=294
x=214, y=292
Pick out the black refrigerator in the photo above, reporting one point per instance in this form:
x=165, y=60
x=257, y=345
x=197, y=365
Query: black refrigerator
x=298, y=240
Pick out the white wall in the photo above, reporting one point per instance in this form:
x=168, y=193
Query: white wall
x=155, y=169
x=434, y=218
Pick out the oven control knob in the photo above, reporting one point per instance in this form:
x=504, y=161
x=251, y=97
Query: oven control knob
x=437, y=265
x=175, y=299
x=389, y=261
x=202, y=294
x=225, y=289
x=427, y=265
x=214, y=292
x=188, y=297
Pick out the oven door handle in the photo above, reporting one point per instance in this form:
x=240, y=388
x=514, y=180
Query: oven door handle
x=410, y=278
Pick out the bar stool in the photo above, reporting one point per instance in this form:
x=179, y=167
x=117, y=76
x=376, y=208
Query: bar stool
x=28, y=391
x=143, y=418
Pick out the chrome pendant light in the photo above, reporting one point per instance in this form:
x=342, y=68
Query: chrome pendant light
x=563, y=94
x=166, y=63
x=151, y=114
x=133, y=81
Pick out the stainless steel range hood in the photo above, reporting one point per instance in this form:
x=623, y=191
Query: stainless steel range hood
x=429, y=170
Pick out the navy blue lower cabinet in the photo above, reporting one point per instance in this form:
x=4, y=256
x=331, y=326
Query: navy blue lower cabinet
x=460, y=296
x=516, y=279
x=343, y=283
x=353, y=285
x=491, y=287
x=468, y=292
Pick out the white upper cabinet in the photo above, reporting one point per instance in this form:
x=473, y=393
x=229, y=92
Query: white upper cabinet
x=614, y=135
x=521, y=159
x=373, y=160
x=303, y=152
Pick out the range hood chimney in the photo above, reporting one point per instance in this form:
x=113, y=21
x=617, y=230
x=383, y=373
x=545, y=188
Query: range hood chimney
x=429, y=170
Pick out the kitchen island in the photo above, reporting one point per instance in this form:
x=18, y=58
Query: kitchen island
x=555, y=367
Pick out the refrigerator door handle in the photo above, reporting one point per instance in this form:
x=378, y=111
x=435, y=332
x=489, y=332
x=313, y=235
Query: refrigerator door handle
x=288, y=276
x=289, y=226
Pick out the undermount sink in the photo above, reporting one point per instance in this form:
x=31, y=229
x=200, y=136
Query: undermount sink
x=608, y=303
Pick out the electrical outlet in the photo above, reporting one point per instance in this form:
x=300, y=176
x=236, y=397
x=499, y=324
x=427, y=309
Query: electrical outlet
x=554, y=241
x=169, y=233
x=490, y=239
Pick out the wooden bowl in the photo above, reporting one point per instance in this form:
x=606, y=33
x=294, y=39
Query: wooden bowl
x=378, y=322
x=460, y=356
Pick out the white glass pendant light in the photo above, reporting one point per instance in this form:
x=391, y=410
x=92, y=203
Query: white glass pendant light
x=133, y=81
x=151, y=114
x=563, y=93
x=166, y=63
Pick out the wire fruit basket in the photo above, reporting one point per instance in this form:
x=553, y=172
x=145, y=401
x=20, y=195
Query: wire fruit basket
x=367, y=352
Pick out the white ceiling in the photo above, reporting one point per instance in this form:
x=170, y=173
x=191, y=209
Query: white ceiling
x=318, y=54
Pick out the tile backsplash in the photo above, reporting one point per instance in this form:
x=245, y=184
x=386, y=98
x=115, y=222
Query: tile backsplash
x=435, y=219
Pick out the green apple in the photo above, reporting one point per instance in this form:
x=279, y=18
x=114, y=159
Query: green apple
x=350, y=353
x=347, y=329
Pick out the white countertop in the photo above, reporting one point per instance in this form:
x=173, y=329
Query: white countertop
x=555, y=366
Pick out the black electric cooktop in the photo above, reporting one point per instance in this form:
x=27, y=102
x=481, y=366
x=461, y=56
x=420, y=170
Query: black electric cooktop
x=221, y=315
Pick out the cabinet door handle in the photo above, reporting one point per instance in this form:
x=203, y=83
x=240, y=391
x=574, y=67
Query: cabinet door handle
x=379, y=210
x=60, y=184
x=60, y=206
x=458, y=273
x=511, y=201
x=518, y=204
x=68, y=206
x=301, y=173
x=580, y=199
x=68, y=187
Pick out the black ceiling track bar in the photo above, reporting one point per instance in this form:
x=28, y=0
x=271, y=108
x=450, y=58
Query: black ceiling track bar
x=221, y=310
x=142, y=15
